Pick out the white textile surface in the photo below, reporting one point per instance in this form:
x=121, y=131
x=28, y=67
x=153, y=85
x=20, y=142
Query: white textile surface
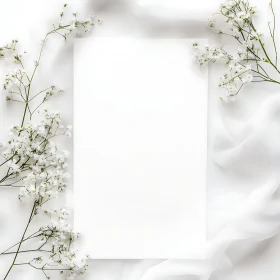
x=244, y=150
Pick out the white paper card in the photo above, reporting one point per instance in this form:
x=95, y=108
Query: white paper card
x=140, y=148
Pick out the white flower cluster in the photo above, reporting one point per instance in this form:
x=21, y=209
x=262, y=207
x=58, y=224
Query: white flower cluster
x=51, y=92
x=60, y=236
x=75, y=24
x=30, y=153
x=208, y=53
x=35, y=160
x=238, y=13
x=87, y=24
x=239, y=75
x=256, y=36
x=11, y=50
x=14, y=80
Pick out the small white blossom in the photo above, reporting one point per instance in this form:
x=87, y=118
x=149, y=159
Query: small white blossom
x=256, y=35
x=51, y=92
x=207, y=54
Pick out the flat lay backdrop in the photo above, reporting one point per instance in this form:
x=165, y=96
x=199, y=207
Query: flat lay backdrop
x=243, y=196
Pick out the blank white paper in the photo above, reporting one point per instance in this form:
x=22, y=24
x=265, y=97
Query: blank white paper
x=140, y=148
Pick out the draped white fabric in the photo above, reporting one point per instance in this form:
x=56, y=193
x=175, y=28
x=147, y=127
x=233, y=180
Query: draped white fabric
x=244, y=153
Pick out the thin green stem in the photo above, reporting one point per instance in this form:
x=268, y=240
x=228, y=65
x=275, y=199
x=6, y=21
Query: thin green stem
x=27, y=251
x=35, y=68
x=28, y=238
x=21, y=241
x=39, y=93
x=273, y=32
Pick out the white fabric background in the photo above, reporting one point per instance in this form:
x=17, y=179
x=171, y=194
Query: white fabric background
x=244, y=147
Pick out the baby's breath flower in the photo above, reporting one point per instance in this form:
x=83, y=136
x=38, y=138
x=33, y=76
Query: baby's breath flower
x=207, y=54
x=30, y=146
x=211, y=22
x=256, y=35
x=250, y=57
x=34, y=162
x=60, y=235
x=52, y=92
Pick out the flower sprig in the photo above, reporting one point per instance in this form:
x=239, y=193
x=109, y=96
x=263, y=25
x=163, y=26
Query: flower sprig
x=252, y=62
x=34, y=163
x=56, y=239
